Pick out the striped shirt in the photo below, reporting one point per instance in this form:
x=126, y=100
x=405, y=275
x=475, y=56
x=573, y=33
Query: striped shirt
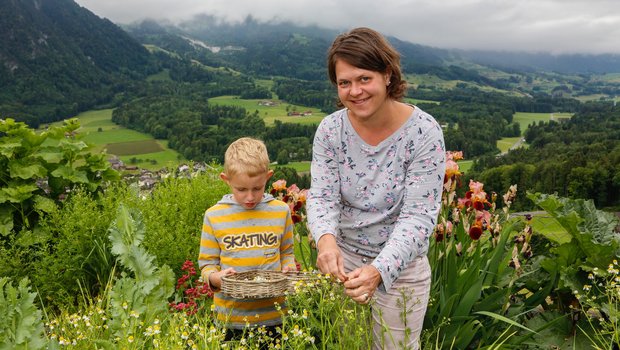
x=247, y=239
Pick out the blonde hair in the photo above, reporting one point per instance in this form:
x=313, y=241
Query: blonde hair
x=246, y=156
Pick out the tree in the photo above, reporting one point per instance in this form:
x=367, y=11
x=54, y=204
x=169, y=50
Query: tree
x=282, y=158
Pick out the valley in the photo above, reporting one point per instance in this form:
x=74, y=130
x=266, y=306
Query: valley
x=143, y=150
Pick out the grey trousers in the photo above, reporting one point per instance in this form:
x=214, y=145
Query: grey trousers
x=398, y=314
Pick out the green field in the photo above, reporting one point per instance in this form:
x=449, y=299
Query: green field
x=99, y=130
x=465, y=165
x=274, y=112
x=416, y=101
x=505, y=143
x=134, y=147
x=610, y=77
x=164, y=75
x=526, y=119
x=300, y=167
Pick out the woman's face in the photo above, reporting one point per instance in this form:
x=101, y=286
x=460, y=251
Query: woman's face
x=362, y=91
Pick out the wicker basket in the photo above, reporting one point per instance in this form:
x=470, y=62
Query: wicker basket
x=255, y=284
x=299, y=277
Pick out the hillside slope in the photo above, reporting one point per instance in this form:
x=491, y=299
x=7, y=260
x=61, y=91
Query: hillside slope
x=57, y=58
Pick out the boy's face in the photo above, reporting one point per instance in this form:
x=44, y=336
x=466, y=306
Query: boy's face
x=247, y=190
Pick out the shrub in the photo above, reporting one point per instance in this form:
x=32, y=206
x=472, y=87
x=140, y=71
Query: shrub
x=173, y=214
x=76, y=258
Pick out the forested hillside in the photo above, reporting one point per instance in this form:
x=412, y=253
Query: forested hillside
x=57, y=59
x=576, y=158
x=202, y=132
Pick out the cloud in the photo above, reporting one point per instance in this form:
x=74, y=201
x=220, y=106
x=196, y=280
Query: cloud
x=557, y=26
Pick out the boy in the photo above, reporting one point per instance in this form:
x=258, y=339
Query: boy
x=246, y=230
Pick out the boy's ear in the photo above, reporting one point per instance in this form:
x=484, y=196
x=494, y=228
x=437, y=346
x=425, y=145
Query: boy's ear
x=224, y=177
x=269, y=173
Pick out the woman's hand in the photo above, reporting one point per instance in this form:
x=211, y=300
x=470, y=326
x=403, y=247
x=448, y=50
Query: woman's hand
x=329, y=257
x=362, y=283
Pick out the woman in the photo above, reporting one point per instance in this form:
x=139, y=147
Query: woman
x=377, y=172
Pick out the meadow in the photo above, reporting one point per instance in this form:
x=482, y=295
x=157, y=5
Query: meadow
x=525, y=119
x=270, y=113
x=131, y=146
x=137, y=148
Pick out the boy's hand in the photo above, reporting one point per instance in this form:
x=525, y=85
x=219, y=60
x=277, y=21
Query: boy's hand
x=289, y=268
x=215, y=278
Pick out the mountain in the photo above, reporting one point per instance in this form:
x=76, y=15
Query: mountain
x=285, y=49
x=58, y=58
x=281, y=37
x=565, y=64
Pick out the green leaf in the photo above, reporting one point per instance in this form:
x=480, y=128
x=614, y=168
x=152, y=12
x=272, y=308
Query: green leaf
x=559, y=237
x=591, y=229
x=469, y=298
x=7, y=149
x=74, y=146
x=27, y=238
x=17, y=194
x=51, y=156
x=96, y=162
x=20, y=321
x=25, y=169
x=70, y=174
x=111, y=175
x=490, y=272
x=466, y=333
x=44, y=204
x=6, y=219
x=504, y=319
x=126, y=235
x=31, y=139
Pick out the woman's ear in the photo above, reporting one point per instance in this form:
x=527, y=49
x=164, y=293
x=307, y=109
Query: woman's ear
x=388, y=75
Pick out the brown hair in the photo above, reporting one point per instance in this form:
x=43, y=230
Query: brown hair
x=367, y=49
x=246, y=156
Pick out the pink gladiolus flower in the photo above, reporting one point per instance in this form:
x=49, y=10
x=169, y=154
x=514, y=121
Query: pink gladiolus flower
x=279, y=185
x=293, y=189
x=454, y=155
x=303, y=194
x=449, y=227
x=476, y=187
x=452, y=169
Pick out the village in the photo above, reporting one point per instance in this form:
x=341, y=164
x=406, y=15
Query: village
x=146, y=179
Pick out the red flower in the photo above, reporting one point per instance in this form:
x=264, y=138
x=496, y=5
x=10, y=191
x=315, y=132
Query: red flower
x=475, y=232
x=181, y=281
x=188, y=266
x=478, y=205
x=298, y=206
x=438, y=236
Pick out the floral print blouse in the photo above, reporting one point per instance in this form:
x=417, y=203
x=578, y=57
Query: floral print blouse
x=379, y=201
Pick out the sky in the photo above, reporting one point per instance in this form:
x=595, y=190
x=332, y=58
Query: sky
x=552, y=26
